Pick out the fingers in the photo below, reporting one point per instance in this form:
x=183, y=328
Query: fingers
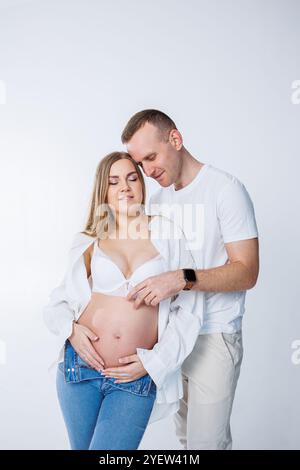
x=148, y=299
x=116, y=370
x=96, y=356
x=90, y=350
x=88, y=357
x=118, y=376
x=123, y=381
x=141, y=296
x=91, y=355
x=135, y=290
x=82, y=343
x=118, y=373
x=131, y=294
x=155, y=301
x=141, y=293
x=90, y=334
x=128, y=359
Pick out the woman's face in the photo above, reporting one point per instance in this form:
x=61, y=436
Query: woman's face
x=124, y=187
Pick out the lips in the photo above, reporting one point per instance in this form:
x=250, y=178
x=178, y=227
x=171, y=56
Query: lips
x=157, y=177
x=125, y=197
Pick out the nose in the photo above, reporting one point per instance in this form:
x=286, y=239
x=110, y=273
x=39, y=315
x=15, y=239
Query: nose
x=125, y=186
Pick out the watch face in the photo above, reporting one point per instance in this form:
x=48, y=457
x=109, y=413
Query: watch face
x=190, y=275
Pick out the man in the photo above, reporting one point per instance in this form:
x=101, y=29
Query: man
x=227, y=253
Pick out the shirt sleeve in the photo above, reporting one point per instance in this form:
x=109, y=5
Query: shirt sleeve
x=184, y=322
x=59, y=312
x=235, y=212
x=58, y=315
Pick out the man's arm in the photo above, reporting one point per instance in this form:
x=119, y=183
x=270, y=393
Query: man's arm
x=236, y=217
x=240, y=273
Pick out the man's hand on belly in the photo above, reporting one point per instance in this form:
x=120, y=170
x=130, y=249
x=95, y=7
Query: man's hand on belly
x=157, y=288
x=132, y=371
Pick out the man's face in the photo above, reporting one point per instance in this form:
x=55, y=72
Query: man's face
x=158, y=158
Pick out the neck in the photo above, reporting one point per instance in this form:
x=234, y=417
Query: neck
x=188, y=171
x=127, y=225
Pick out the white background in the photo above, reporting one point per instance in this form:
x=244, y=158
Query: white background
x=73, y=72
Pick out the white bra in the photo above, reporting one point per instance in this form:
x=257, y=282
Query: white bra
x=108, y=278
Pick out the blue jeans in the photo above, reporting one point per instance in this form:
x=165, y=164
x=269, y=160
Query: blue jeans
x=98, y=413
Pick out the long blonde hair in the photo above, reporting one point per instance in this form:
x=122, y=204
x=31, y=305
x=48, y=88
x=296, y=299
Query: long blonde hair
x=97, y=223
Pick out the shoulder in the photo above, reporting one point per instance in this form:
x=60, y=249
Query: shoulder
x=80, y=239
x=220, y=178
x=225, y=185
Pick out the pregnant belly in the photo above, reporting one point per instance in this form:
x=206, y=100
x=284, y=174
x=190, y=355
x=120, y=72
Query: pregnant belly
x=119, y=326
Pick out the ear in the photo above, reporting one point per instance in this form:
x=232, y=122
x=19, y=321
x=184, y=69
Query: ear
x=175, y=139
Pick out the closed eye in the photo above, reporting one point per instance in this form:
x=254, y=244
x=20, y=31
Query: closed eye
x=150, y=158
x=133, y=178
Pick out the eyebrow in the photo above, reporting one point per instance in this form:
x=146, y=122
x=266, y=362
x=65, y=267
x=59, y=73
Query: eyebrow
x=128, y=174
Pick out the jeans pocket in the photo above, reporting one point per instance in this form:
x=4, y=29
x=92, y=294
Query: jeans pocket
x=234, y=346
x=228, y=346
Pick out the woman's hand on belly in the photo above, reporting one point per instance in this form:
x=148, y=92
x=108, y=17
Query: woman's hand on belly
x=132, y=371
x=80, y=339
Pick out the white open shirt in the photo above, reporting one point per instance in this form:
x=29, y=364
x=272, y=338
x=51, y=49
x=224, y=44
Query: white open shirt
x=179, y=319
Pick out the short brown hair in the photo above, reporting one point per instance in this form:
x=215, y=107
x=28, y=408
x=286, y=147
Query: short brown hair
x=159, y=119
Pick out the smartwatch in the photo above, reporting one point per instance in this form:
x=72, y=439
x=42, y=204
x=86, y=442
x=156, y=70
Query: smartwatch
x=189, y=277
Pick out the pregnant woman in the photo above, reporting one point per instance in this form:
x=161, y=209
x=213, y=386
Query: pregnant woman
x=96, y=325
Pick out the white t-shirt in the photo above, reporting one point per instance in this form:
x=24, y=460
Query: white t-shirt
x=214, y=209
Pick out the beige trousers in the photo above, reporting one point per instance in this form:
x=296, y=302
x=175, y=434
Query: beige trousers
x=210, y=374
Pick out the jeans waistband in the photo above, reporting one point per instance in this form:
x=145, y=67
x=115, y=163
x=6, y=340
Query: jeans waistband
x=75, y=369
